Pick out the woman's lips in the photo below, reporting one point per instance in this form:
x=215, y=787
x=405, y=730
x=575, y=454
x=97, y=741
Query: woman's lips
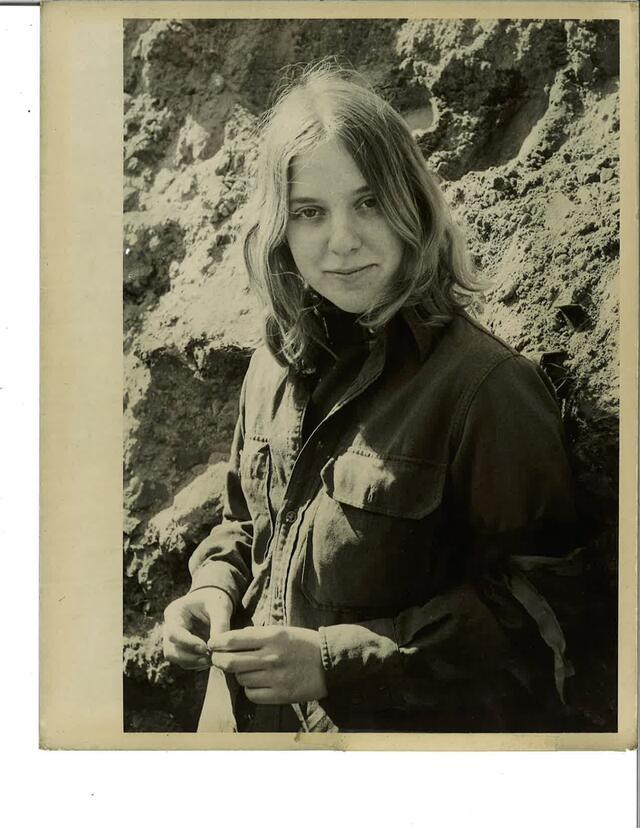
x=350, y=272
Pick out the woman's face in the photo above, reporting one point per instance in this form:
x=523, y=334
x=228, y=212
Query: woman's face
x=343, y=246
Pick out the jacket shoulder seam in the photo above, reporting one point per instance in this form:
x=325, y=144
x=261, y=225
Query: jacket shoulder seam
x=486, y=333
x=467, y=399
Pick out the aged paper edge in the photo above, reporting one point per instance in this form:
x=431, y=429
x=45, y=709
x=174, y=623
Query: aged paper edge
x=82, y=368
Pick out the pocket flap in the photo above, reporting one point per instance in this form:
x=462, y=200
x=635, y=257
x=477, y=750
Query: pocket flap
x=254, y=459
x=394, y=486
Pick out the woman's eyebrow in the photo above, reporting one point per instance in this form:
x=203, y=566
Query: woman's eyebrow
x=304, y=200
x=314, y=200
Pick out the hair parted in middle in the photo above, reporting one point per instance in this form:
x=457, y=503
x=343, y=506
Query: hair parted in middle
x=330, y=102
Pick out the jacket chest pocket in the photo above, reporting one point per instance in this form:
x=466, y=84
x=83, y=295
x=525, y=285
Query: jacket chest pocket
x=369, y=545
x=255, y=475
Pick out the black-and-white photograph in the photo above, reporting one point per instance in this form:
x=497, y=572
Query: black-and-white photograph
x=371, y=375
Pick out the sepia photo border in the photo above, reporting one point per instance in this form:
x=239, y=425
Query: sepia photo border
x=82, y=376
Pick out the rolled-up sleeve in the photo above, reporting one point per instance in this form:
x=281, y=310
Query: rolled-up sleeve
x=223, y=559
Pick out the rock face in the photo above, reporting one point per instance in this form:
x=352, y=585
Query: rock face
x=520, y=121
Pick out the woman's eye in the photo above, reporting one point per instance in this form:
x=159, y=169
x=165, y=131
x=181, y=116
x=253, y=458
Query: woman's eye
x=369, y=203
x=307, y=213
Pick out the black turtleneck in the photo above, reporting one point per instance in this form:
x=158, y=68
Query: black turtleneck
x=337, y=366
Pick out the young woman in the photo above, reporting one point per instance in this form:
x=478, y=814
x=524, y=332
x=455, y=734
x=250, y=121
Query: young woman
x=395, y=468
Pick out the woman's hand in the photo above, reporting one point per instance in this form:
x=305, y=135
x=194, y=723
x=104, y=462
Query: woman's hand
x=189, y=621
x=275, y=665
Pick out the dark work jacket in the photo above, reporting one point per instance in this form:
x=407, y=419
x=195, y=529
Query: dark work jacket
x=402, y=528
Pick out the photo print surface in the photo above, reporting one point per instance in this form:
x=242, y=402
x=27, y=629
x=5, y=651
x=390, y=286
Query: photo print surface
x=518, y=124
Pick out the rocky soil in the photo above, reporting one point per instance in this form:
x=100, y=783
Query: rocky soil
x=518, y=118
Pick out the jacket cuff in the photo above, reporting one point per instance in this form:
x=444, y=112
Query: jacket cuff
x=219, y=575
x=353, y=653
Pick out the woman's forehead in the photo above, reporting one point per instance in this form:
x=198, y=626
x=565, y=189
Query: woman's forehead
x=328, y=167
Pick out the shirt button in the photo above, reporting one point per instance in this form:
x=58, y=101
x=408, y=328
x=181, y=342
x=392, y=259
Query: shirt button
x=290, y=516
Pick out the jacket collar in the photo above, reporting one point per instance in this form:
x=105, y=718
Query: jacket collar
x=416, y=319
x=423, y=334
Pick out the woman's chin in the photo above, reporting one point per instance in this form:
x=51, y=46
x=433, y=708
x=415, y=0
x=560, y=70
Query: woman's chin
x=348, y=304
x=353, y=309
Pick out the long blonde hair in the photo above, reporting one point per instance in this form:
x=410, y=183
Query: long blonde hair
x=436, y=273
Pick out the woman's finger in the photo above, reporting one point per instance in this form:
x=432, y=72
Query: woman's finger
x=250, y=638
x=243, y=640
x=253, y=679
x=235, y=662
x=186, y=659
x=264, y=695
x=185, y=640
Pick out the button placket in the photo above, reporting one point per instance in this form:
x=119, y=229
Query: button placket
x=286, y=547
x=279, y=564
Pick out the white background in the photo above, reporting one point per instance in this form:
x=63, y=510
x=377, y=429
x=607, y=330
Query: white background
x=307, y=789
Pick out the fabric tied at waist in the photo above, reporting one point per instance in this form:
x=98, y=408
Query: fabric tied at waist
x=548, y=625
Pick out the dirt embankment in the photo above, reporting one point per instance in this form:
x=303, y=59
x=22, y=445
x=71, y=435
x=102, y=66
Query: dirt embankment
x=519, y=119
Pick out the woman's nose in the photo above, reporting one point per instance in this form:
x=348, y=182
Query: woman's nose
x=343, y=237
